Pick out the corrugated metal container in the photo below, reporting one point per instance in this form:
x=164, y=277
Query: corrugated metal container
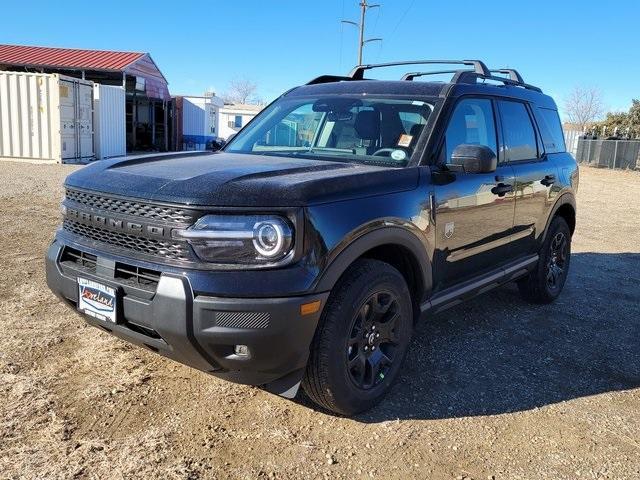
x=110, y=136
x=46, y=117
x=193, y=124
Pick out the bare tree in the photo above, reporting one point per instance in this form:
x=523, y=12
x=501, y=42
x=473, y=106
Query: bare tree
x=241, y=90
x=584, y=106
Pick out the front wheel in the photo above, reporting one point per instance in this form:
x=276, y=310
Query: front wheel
x=546, y=282
x=362, y=339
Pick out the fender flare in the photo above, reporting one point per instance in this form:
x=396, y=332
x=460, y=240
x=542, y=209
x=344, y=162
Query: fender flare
x=388, y=235
x=567, y=198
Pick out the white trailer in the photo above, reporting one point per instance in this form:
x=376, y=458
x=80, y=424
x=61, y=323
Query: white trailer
x=45, y=117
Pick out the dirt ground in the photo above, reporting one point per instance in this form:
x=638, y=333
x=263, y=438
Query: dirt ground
x=494, y=388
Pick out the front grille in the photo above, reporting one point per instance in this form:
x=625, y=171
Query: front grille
x=160, y=248
x=131, y=207
x=80, y=260
x=137, y=276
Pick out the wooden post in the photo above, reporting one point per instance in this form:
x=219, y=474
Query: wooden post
x=165, y=108
x=152, y=105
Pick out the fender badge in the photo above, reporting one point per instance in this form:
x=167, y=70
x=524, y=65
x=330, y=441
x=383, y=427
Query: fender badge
x=448, y=229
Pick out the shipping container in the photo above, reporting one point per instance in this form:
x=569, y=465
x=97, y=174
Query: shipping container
x=195, y=122
x=45, y=117
x=110, y=136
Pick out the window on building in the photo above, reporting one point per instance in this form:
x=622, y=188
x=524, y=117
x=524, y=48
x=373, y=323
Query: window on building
x=238, y=121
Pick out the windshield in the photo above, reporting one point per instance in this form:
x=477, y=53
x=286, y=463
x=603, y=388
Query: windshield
x=379, y=131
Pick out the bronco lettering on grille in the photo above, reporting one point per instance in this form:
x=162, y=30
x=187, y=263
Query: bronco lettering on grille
x=117, y=224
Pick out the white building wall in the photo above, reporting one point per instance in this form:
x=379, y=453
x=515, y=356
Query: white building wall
x=200, y=121
x=227, y=120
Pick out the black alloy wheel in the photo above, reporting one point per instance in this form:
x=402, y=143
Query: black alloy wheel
x=557, y=262
x=362, y=338
x=545, y=283
x=372, y=343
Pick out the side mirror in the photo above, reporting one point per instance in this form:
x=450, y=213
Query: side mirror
x=474, y=158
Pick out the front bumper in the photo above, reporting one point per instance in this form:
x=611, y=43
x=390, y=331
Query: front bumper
x=202, y=330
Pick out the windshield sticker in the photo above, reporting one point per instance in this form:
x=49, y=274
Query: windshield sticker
x=405, y=140
x=398, y=155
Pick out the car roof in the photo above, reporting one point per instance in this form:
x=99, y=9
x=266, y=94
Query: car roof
x=422, y=89
x=371, y=87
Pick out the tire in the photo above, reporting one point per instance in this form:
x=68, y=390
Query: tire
x=546, y=282
x=361, y=340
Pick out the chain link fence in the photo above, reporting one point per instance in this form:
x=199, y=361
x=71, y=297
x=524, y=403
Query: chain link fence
x=620, y=154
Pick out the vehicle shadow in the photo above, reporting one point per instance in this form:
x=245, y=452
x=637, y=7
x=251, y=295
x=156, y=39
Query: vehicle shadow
x=497, y=354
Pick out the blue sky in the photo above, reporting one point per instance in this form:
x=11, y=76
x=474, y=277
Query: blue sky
x=278, y=44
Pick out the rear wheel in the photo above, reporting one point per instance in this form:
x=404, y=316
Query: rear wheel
x=546, y=282
x=362, y=339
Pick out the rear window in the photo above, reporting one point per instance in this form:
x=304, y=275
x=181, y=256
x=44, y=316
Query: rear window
x=519, y=135
x=550, y=130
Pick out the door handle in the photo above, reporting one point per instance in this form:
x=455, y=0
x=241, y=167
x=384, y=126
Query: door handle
x=502, y=189
x=548, y=180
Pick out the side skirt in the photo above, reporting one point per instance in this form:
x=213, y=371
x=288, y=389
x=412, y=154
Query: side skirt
x=457, y=294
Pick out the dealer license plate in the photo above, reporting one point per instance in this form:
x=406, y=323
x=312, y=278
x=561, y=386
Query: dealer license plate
x=97, y=300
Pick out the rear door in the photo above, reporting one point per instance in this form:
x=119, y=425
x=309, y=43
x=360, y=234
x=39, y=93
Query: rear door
x=535, y=175
x=474, y=212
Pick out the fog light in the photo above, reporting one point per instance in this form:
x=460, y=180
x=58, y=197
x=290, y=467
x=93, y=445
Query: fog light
x=241, y=350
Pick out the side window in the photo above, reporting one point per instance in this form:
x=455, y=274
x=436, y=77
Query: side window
x=519, y=135
x=551, y=130
x=472, y=122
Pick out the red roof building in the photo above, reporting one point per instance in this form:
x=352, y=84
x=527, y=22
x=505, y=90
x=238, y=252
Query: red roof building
x=62, y=60
x=146, y=88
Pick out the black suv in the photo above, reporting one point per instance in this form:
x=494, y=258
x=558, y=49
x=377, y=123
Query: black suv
x=305, y=251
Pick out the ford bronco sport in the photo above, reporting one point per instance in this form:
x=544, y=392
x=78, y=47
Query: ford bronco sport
x=304, y=251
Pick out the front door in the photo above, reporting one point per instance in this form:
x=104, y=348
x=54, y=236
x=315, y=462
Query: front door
x=474, y=212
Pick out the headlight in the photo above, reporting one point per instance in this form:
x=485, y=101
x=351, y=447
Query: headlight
x=244, y=239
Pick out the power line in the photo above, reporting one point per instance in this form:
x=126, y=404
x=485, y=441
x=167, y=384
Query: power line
x=395, y=29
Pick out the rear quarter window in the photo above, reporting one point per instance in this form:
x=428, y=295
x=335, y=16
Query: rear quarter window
x=550, y=130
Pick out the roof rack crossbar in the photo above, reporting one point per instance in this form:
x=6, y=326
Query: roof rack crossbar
x=411, y=75
x=513, y=74
x=478, y=66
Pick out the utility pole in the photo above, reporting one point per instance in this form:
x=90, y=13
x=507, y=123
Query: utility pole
x=363, y=14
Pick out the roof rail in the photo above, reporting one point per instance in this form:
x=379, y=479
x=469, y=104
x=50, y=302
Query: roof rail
x=479, y=72
x=478, y=66
x=472, y=77
x=328, y=79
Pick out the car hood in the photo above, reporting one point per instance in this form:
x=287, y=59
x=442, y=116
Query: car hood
x=226, y=179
